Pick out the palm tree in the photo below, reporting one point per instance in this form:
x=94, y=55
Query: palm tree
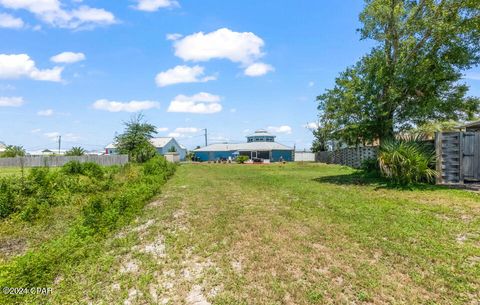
x=75, y=151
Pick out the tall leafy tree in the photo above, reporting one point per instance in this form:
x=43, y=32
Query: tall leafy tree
x=135, y=140
x=412, y=75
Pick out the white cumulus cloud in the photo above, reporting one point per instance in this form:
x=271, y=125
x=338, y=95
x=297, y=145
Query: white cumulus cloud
x=68, y=57
x=202, y=102
x=53, y=12
x=10, y=22
x=13, y=66
x=258, y=69
x=182, y=74
x=280, y=129
x=245, y=47
x=162, y=129
x=46, y=112
x=132, y=106
x=187, y=129
x=14, y=101
x=183, y=132
x=155, y=5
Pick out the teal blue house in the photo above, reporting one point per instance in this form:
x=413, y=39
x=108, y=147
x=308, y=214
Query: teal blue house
x=259, y=145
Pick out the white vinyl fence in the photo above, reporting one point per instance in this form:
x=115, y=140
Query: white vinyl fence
x=304, y=156
x=55, y=161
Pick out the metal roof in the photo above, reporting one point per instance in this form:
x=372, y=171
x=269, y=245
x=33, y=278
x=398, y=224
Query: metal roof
x=472, y=124
x=160, y=142
x=252, y=146
x=261, y=133
x=157, y=142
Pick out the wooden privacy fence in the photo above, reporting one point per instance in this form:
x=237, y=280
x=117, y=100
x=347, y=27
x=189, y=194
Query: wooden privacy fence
x=55, y=161
x=352, y=157
x=458, y=157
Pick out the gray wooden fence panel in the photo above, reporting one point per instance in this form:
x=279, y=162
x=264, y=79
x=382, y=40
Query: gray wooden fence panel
x=55, y=161
x=353, y=157
x=458, y=157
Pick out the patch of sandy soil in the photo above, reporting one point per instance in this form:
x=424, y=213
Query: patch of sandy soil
x=129, y=266
x=12, y=247
x=133, y=294
x=196, y=297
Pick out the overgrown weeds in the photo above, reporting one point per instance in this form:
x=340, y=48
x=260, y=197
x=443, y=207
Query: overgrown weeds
x=111, y=198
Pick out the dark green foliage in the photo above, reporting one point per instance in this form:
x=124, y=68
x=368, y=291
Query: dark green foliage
x=412, y=76
x=88, y=169
x=370, y=166
x=92, y=213
x=321, y=139
x=407, y=162
x=7, y=198
x=73, y=168
x=92, y=170
x=135, y=140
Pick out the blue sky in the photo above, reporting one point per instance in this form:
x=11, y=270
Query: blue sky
x=228, y=66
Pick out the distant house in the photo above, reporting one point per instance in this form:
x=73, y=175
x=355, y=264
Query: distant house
x=110, y=149
x=45, y=152
x=260, y=145
x=2, y=147
x=162, y=144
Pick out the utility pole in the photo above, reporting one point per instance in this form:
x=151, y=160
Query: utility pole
x=206, y=137
x=59, y=143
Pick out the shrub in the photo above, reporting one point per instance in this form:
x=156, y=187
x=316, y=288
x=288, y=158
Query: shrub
x=407, y=162
x=159, y=166
x=7, y=198
x=242, y=159
x=370, y=165
x=88, y=169
x=92, y=213
x=73, y=168
x=92, y=170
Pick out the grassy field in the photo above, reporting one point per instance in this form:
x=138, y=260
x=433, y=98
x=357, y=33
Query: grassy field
x=8, y=171
x=286, y=234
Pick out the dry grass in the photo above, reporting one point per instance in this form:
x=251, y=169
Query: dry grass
x=232, y=234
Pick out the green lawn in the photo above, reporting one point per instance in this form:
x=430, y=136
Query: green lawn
x=286, y=234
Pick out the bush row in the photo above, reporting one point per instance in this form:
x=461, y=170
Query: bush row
x=46, y=187
x=130, y=187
